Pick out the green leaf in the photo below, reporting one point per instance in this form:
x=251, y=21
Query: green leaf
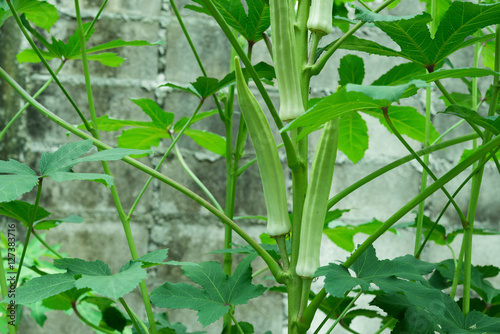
x=167, y=327
x=488, y=54
x=161, y=119
x=407, y=120
x=351, y=70
x=71, y=49
x=208, y=140
x=488, y=271
x=13, y=186
x=15, y=167
x=264, y=71
x=202, y=115
x=105, y=179
x=22, y=211
x=338, y=104
x=441, y=8
x=106, y=123
x=141, y=138
x=43, y=287
x=388, y=94
x=365, y=15
x=400, y=74
x=114, y=319
x=205, y=86
x=461, y=20
x=358, y=44
x=153, y=258
x=251, y=26
x=218, y=291
x=489, y=123
x=58, y=161
x=111, y=155
x=353, y=136
x=342, y=235
x=38, y=313
x=397, y=279
x=48, y=224
x=456, y=73
x=64, y=300
x=76, y=266
x=41, y=13
x=97, y=276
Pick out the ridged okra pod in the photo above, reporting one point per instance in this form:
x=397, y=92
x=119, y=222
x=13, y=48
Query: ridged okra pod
x=320, y=17
x=271, y=172
x=285, y=58
x=316, y=201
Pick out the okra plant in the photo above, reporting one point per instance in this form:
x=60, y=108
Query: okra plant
x=292, y=132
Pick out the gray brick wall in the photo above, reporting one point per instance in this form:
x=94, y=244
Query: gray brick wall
x=166, y=219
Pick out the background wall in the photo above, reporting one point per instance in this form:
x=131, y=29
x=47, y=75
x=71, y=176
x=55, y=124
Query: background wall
x=166, y=219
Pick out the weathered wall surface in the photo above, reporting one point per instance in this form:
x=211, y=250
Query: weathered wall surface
x=166, y=219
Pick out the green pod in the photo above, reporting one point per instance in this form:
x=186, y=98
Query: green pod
x=271, y=172
x=285, y=59
x=320, y=17
x=316, y=201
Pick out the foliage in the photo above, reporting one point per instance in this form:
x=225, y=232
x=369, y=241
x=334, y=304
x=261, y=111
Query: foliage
x=406, y=294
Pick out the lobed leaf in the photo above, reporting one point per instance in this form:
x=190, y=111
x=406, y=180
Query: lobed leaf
x=13, y=186
x=208, y=140
x=43, y=287
x=489, y=123
x=41, y=13
x=351, y=70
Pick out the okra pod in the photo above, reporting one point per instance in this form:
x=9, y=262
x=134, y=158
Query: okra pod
x=271, y=172
x=316, y=201
x=285, y=58
x=320, y=17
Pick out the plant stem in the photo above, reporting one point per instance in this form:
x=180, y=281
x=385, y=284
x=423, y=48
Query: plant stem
x=408, y=147
x=47, y=66
x=423, y=182
x=196, y=179
x=236, y=323
x=387, y=325
x=450, y=175
x=53, y=251
x=125, y=221
x=344, y=312
x=291, y=155
x=130, y=314
x=475, y=189
x=167, y=152
x=26, y=105
x=186, y=34
x=345, y=192
x=30, y=228
x=88, y=323
x=5, y=290
x=281, y=241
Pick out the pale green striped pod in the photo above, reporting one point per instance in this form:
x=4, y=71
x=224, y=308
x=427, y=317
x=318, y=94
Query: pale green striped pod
x=315, y=205
x=320, y=17
x=285, y=59
x=271, y=172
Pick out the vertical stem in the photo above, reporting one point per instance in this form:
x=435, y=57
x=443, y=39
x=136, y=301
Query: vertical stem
x=423, y=182
x=123, y=217
x=30, y=227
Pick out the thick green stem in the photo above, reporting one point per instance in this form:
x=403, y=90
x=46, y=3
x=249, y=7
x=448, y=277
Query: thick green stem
x=281, y=241
x=30, y=228
x=131, y=315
